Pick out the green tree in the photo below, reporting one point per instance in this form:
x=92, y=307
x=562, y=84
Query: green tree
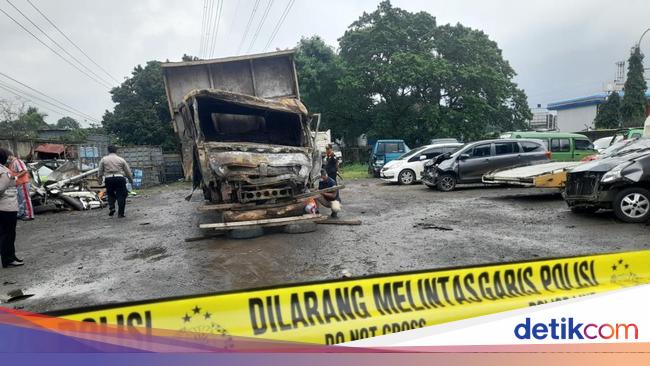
x=20, y=122
x=634, y=103
x=609, y=113
x=141, y=116
x=68, y=123
x=425, y=80
x=319, y=74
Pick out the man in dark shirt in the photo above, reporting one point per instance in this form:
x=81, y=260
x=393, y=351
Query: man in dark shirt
x=330, y=200
x=331, y=162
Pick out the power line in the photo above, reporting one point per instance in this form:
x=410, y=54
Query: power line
x=216, y=29
x=71, y=42
x=275, y=31
x=205, y=5
x=49, y=97
x=58, y=45
x=20, y=94
x=259, y=26
x=53, y=50
x=234, y=17
x=208, y=29
x=248, y=25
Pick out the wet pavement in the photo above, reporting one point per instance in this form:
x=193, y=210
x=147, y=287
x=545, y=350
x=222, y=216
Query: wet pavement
x=77, y=259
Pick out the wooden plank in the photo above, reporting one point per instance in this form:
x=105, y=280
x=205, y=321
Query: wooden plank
x=252, y=206
x=263, y=222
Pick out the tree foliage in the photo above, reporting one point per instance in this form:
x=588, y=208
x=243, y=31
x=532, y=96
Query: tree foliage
x=19, y=120
x=68, y=123
x=319, y=74
x=634, y=103
x=402, y=75
x=609, y=113
x=141, y=116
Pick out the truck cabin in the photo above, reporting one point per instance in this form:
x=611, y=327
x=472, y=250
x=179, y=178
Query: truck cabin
x=223, y=121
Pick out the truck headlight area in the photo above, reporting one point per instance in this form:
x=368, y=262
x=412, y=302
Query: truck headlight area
x=615, y=173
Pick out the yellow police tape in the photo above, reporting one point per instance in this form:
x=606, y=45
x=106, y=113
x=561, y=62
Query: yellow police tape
x=347, y=310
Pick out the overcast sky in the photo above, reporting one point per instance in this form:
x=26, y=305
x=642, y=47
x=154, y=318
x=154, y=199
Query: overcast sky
x=559, y=49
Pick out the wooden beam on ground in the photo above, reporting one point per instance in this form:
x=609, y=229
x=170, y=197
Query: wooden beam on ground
x=261, y=223
x=252, y=206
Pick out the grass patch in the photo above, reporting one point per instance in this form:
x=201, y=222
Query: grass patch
x=354, y=171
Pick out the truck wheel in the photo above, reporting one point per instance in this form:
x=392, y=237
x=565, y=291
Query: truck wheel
x=632, y=204
x=406, y=177
x=446, y=183
x=245, y=233
x=584, y=209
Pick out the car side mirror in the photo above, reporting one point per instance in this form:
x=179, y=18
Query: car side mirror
x=464, y=156
x=423, y=157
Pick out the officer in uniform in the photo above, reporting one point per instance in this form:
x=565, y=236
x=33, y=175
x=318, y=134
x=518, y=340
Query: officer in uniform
x=115, y=172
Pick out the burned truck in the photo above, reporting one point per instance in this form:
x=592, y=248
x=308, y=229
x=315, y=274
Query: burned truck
x=246, y=136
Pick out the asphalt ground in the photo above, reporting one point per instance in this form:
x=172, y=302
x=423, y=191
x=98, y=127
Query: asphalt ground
x=75, y=259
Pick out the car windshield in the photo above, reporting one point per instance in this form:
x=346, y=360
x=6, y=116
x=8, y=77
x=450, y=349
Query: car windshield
x=636, y=146
x=411, y=153
x=616, y=147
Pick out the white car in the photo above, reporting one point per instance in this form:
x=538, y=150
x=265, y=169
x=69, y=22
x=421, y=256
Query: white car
x=407, y=169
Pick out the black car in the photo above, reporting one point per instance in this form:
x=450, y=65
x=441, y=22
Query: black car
x=620, y=182
x=470, y=162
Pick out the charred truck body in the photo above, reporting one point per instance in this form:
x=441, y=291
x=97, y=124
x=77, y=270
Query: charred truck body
x=245, y=134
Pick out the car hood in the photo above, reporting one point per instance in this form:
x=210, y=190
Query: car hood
x=393, y=164
x=607, y=164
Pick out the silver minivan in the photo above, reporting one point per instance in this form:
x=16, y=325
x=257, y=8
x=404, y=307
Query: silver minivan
x=469, y=163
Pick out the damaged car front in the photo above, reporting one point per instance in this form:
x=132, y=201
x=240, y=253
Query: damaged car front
x=620, y=182
x=248, y=149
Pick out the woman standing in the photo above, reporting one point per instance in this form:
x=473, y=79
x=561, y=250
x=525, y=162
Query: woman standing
x=8, y=214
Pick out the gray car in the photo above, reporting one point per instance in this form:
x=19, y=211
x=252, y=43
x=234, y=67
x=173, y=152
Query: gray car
x=469, y=163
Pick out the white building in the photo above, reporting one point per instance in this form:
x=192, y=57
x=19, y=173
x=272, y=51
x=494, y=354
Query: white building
x=578, y=114
x=543, y=119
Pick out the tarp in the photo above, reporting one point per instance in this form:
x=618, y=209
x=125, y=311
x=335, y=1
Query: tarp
x=50, y=149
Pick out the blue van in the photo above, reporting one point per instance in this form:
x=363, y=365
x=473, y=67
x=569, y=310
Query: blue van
x=384, y=151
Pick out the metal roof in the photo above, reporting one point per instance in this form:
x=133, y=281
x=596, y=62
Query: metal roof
x=229, y=59
x=588, y=100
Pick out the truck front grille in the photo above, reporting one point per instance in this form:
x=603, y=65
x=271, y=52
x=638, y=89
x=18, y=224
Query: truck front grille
x=582, y=184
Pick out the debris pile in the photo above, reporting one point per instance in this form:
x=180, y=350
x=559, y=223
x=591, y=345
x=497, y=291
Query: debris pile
x=58, y=185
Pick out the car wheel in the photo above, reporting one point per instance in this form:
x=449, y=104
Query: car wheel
x=446, y=183
x=584, y=209
x=632, y=205
x=406, y=177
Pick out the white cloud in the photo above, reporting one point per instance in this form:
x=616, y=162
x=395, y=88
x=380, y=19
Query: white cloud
x=559, y=48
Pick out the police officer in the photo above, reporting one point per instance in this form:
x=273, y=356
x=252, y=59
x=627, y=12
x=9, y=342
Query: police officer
x=115, y=172
x=331, y=162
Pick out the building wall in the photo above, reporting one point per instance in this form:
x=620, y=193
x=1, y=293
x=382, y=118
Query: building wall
x=576, y=119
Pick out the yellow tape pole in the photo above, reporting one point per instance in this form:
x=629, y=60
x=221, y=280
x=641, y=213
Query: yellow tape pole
x=342, y=311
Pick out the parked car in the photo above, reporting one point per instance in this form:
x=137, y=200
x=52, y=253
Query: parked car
x=383, y=152
x=622, y=134
x=564, y=146
x=611, y=150
x=443, y=141
x=407, y=169
x=470, y=162
x=620, y=182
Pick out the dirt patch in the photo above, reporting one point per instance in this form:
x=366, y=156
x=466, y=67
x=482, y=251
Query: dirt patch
x=146, y=253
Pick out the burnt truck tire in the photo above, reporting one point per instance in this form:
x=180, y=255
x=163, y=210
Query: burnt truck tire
x=584, y=210
x=632, y=205
x=305, y=227
x=72, y=202
x=245, y=233
x=446, y=183
x=406, y=177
